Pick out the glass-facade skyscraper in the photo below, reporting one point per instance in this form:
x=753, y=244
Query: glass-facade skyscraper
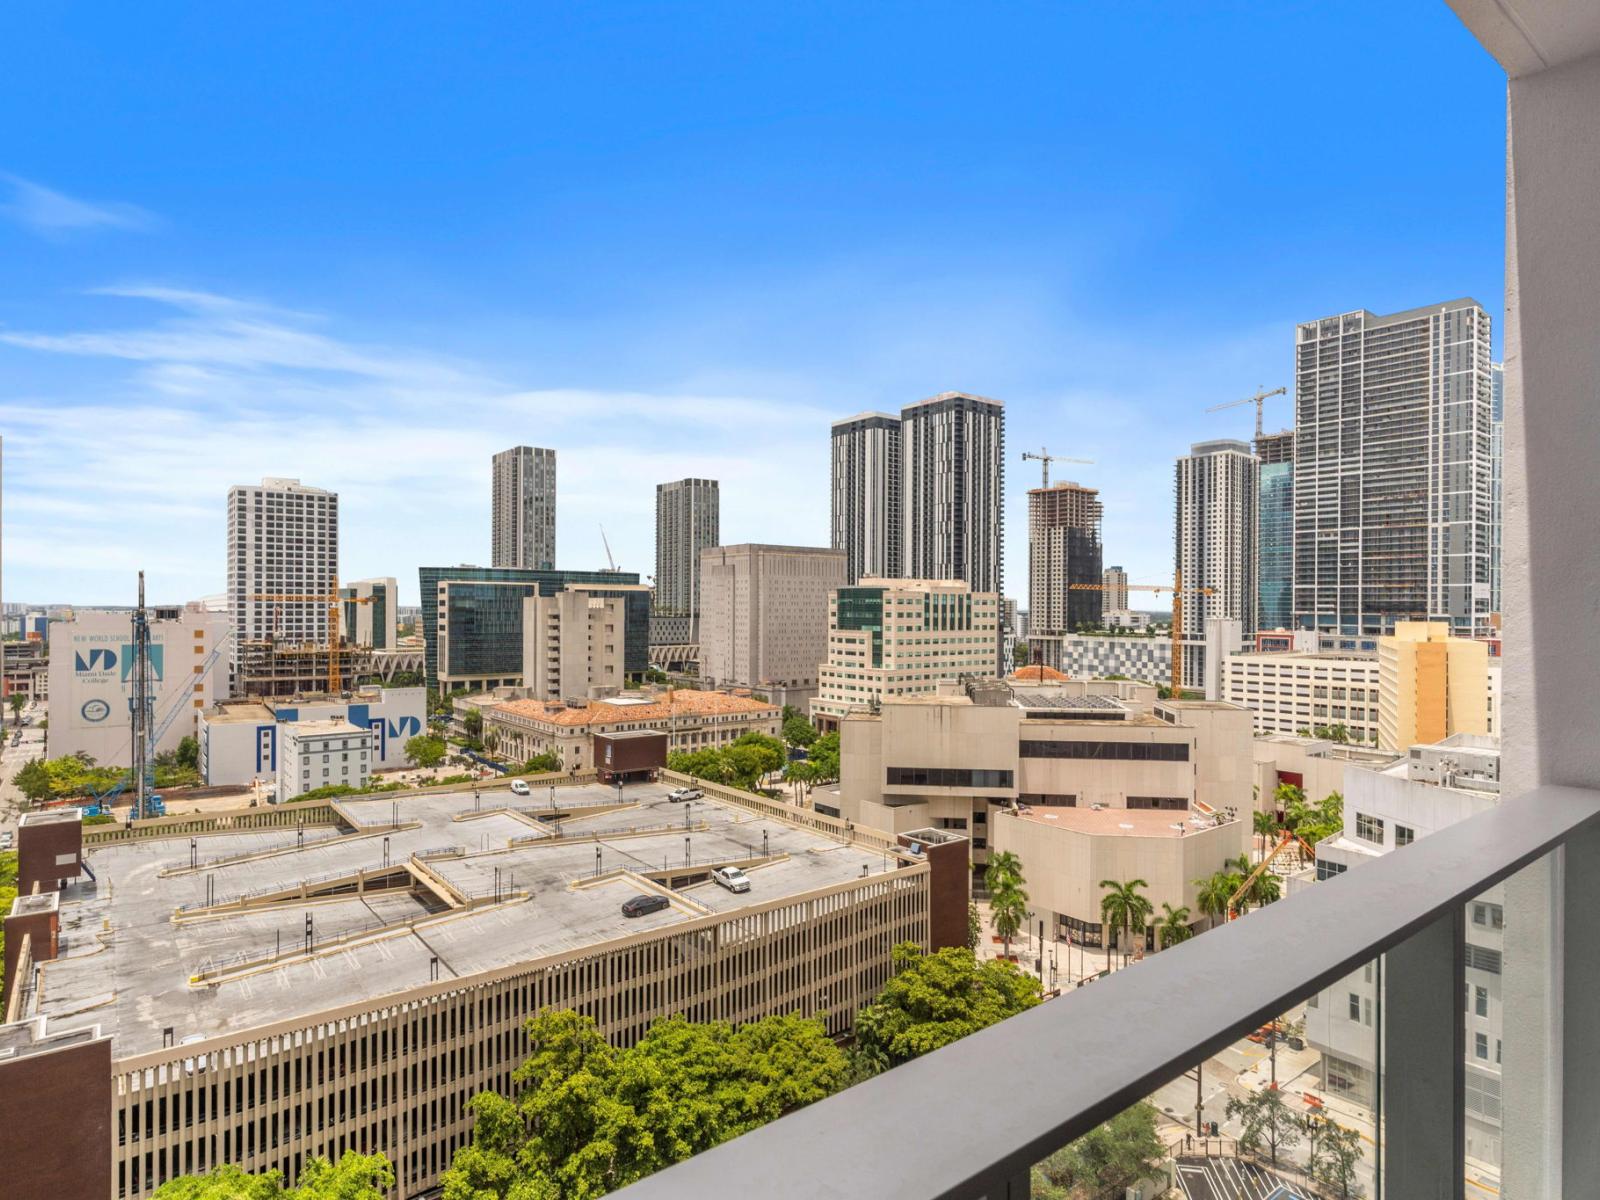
x=1275, y=530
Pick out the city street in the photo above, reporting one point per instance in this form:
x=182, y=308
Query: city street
x=18, y=746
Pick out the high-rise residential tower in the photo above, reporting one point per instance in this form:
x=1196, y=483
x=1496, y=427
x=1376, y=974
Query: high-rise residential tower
x=1064, y=549
x=524, y=504
x=867, y=494
x=1275, y=526
x=953, y=487
x=1497, y=444
x=1392, y=489
x=1215, y=487
x=1114, y=590
x=283, y=539
x=687, y=521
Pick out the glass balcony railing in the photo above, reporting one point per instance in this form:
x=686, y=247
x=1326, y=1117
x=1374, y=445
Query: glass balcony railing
x=1367, y=1002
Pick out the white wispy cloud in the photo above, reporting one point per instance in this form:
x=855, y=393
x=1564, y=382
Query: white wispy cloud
x=216, y=391
x=54, y=213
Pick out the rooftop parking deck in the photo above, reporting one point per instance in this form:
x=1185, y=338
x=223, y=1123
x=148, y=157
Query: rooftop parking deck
x=463, y=885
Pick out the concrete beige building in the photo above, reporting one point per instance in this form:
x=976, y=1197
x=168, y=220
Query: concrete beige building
x=1291, y=691
x=764, y=617
x=900, y=637
x=1431, y=685
x=1072, y=781
x=574, y=643
x=692, y=720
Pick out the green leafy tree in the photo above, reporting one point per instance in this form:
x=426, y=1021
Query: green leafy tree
x=1173, y=927
x=753, y=757
x=353, y=1177
x=1124, y=907
x=590, y=1118
x=935, y=999
x=1108, y=1159
x=18, y=702
x=798, y=731
x=1020, y=654
x=472, y=723
x=1265, y=824
x=1266, y=1121
x=8, y=893
x=710, y=764
x=1340, y=1159
x=33, y=781
x=542, y=764
x=974, y=927
x=824, y=754
x=424, y=750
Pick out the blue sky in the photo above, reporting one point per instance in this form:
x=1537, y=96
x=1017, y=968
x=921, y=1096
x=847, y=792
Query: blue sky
x=368, y=245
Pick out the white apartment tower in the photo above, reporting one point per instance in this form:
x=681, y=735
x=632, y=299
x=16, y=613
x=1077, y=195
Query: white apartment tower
x=953, y=489
x=1215, y=485
x=688, y=520
x=1392, y=487
x=524, y=508
x=866, y=490
x=283, y=539
x=1114, y=590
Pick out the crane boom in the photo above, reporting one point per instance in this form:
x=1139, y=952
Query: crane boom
x=333, y=600
x=1259, y=400
x=1044, y=458
x=611, y=563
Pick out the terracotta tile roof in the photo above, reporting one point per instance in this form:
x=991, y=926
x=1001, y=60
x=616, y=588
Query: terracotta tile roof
x=681, y=703
x=1038, y=674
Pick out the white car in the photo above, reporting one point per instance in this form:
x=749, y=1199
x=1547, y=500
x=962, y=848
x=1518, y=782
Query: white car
x=679, y=795
x=732, y=878
x=520, y=787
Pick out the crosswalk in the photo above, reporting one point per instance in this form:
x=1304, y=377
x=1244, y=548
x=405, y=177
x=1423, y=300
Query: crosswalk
x=1230, y=1179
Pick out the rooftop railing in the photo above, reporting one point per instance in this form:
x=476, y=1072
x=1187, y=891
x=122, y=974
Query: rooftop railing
x=932, y=1129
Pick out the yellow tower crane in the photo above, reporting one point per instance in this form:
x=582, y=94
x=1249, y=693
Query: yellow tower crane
x=1259, y=400
x=1178, y=592
x=333, y=600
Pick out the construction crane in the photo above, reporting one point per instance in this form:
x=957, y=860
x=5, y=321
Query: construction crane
x=1259, y=400
x=1044, y=458
x=1288, y=839
x=611, y=562
x=1178, y=592
x=333, y=600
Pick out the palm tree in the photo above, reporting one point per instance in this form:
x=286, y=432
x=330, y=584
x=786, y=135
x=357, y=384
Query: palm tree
x=1265, y=889
x=1004, y=867
x=1121, y=907
x=1266, y=824
x=1173, y=927
x=1214, y=896
x=1008, y=910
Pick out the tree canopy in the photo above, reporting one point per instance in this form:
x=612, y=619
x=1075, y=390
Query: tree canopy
x=425, y=750
x=590, y=1118
x=353, y=1177
x=742, y=763
x=935, y=999
x=1110, y=1157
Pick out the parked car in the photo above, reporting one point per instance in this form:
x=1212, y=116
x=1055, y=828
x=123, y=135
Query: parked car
x=6, y=840
x=521, y=788
x=679, y=795
x=644, y=903
x=732, y=878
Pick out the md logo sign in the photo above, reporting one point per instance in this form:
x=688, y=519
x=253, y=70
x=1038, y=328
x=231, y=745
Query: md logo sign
x=404, y=727
x=95, y=660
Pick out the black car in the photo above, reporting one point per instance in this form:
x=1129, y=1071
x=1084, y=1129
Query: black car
x=642, y=904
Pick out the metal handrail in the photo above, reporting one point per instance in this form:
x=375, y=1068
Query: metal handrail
x=1081, y=1060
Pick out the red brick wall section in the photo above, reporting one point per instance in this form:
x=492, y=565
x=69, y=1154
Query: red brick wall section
x=45, y=928
x=39, y=845
x=55, y=1123
x=949, y=890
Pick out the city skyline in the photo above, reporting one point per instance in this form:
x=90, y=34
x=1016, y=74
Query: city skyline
x=244, y=329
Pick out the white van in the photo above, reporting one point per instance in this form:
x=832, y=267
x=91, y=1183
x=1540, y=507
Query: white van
x=521, y=788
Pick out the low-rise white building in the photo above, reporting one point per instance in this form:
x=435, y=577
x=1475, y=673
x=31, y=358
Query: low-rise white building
x=1386, y=809
x=1289, y=692
x=319, y=754
x=91, y=679
x=241, y=741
